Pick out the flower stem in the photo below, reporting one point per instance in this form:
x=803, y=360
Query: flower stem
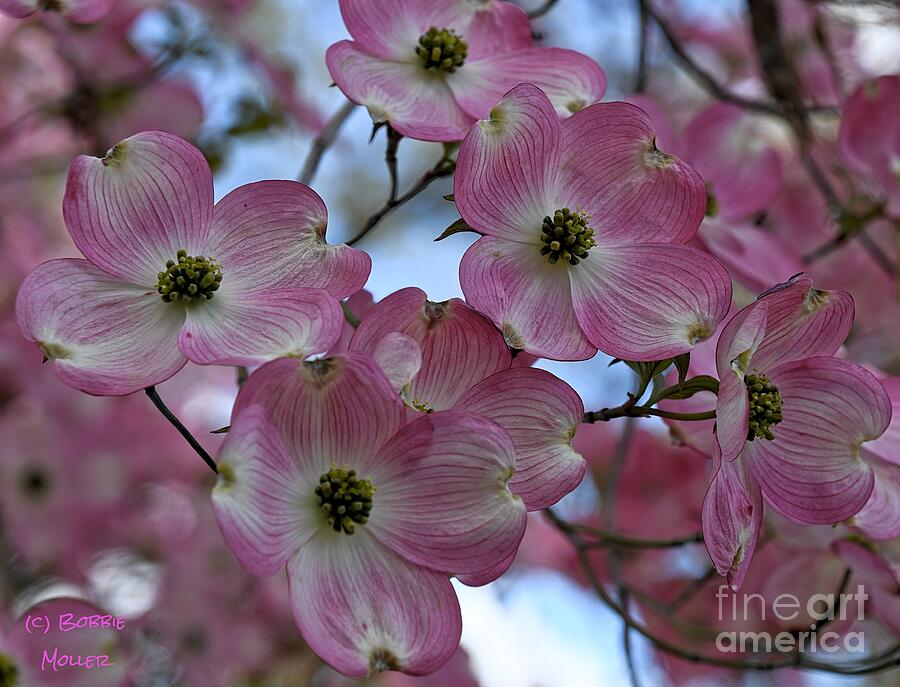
x=176, y=423
x=631, y=410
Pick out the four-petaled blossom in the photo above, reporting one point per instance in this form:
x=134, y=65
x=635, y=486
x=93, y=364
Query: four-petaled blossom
x=83, y=11
x=169, y=277
x=431, y=68
x=582, y=221
x=371, y=514
x=466, y=365
x=790, y=420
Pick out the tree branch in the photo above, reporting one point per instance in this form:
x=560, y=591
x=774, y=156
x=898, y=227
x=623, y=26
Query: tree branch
x=182, y=430
x=541, y=10
x=323, y=142
x=878, y=663
x=444, y=167
x=703, y=77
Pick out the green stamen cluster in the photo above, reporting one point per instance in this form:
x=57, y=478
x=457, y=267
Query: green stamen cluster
x=9, y=672
x=442, y=49
x=189, y=279
x=566, y=237
x=346, y=500
x=765, y=406
x=421, y=406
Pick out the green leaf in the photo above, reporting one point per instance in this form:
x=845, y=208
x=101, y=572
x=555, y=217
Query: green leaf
x=646, y=371
x=458, y=227
x=682, y=362
x=221, y=430
x=449, y=197
x=690, y=387
x=659, y=385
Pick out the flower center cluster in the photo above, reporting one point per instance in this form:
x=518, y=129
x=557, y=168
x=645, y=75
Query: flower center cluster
x=346, y=500
x=9, y=672
x=189, y=279
x=765, y=406
x=566, y=236
x=441, y=49
x=421, y=406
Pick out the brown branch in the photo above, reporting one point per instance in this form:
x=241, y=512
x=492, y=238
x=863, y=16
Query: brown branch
x=626, y=410
x=542, y=9
x=781, y=80
x=703, y=77
x=626, y=642
x=182, y=430
x=443, y=168
x=390, y=159
x=323, y=142
x=881, y=662
x=640, y=80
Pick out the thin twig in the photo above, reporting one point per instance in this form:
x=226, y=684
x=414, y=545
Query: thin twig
x=626, y=642
x=885, y=661
x=781, y=80
x=691, y=590
x=176, y=423
x=703, y=77
x=323, y=142
x=606, y=538
x=442, y=168
x=542, y=10
x=875, y=252
x=390, y=159
x=640, y=81
x=823, y=40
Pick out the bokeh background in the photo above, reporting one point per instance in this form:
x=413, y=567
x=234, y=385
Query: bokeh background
x=100, y=499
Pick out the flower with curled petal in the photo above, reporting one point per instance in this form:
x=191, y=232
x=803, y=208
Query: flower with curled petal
x=879, y=519
x=582, y=222
x=465, y=364
x=371, y=514
x=168, y=277
x=432, y=68
x=790, y=420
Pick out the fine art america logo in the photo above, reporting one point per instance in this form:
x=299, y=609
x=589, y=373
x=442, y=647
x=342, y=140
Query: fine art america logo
x=825, y=610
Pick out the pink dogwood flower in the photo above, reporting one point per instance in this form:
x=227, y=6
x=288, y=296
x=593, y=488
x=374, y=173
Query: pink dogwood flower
x=82, y=11
x=431, y=68
x=169, y=277
x=322, y=472
x=741, y=170
x=869, y=136
x=790, y=420
x=582, y=222
x=465, y=364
